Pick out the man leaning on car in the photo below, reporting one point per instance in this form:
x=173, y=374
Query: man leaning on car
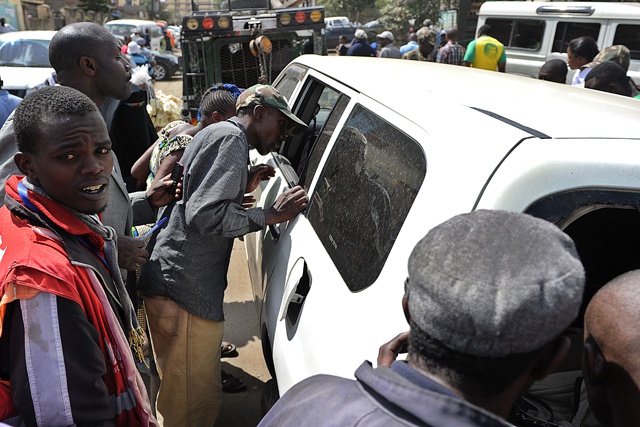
x=488, y=298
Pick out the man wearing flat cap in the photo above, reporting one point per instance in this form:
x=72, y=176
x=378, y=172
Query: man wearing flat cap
x=184, y=280
x=488, y=297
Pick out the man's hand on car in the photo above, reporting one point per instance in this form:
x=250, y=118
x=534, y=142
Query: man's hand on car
x=291, y=202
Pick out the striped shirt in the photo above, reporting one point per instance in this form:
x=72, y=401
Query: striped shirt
x=451, y=53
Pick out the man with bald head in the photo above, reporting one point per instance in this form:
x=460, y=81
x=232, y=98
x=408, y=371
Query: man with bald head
x=611, y=366
x=87, y=57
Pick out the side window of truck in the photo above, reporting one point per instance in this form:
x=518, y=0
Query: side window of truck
x=629, y=35
x=567, y=31
x=518, y=33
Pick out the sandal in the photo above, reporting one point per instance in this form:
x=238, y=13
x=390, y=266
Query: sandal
x=228, y=349
x=231, y=384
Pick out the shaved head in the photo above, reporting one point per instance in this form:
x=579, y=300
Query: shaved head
x=611, y=365
x=74, y=41
x=613, y=320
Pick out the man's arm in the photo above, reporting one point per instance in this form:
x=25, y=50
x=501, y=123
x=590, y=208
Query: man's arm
x=502, y=62
x=470, y=54
x=56, y=365
x=217, y=175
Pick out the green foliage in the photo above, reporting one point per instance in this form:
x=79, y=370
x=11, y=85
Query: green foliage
x=353, y=9
x=95, y=5
x=395, y=14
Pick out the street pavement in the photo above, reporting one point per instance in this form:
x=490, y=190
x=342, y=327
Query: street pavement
x=241, y=328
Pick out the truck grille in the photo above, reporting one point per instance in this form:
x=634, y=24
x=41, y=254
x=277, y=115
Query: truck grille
x=240, y=67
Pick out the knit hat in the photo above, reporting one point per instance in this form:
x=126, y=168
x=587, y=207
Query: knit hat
x=269, y=96
x=494, y=283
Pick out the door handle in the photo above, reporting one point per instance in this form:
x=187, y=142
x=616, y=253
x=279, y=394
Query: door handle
x=299, y=294
x=274, y=229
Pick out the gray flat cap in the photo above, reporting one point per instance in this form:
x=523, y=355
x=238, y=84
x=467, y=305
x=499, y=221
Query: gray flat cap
x=494, y=283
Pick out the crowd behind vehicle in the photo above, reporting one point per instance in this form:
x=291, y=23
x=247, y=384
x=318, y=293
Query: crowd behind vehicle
x=509, y=244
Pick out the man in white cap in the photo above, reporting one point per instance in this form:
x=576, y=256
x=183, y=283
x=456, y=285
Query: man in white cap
x=488, y=297
x=385, y=39
x=360, y=45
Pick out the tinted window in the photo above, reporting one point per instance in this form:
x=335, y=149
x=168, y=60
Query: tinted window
x=155, y=31
x=629, y=35
x=311, y=162
x=567, y=31
x=518, y=33
x=121, y=29
x=25, y=53
x=364, y=193
x=287, y=84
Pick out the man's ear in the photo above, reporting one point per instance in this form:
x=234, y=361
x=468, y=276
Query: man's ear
x=551, y=355
x=215, y=117
x=88, y=65
x=405, y=307
x=23, y=161
x=593, y=365
x=258, y=112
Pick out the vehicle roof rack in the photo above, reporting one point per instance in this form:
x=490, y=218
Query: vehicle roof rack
x=566, y=10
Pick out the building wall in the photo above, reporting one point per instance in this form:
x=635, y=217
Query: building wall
x=9, y=9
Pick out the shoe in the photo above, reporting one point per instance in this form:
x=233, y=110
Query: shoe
x=231, y=384
x=228, y=349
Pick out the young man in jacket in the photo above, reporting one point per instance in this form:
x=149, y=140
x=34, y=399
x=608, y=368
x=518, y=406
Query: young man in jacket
x=69, y=332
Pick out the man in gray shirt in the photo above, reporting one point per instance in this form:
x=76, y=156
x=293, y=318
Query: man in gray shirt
x=184, y=280
x=388, y=49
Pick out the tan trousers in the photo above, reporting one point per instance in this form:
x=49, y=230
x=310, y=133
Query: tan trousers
x=187, y=352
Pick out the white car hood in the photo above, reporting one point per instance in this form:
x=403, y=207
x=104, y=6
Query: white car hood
x=24, y=77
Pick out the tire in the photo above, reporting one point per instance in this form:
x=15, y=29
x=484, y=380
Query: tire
x=161, y=71
x=270, y=396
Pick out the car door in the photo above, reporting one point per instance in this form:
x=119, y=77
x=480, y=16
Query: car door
x=321, y=107
x=328, y=279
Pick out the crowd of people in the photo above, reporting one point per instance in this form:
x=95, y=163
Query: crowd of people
x=493, y=298
x=487, y=53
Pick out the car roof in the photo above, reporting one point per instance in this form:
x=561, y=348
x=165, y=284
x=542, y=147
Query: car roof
x=28, y=35
x=541, y=108
x=606, y=10
x=132, y=22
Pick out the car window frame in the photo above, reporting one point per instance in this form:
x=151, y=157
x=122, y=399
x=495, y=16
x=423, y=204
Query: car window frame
x=414, y=132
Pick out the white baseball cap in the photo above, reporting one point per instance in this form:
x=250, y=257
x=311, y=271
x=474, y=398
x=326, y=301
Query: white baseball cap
x=386, y=35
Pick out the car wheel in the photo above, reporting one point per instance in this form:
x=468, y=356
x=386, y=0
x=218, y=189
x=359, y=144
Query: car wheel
x=270, y=396
x=161, y=72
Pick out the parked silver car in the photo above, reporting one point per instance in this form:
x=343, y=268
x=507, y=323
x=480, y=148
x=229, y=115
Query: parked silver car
x=24, y=60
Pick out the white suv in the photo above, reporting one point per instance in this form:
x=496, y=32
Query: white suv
x=385, y=160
